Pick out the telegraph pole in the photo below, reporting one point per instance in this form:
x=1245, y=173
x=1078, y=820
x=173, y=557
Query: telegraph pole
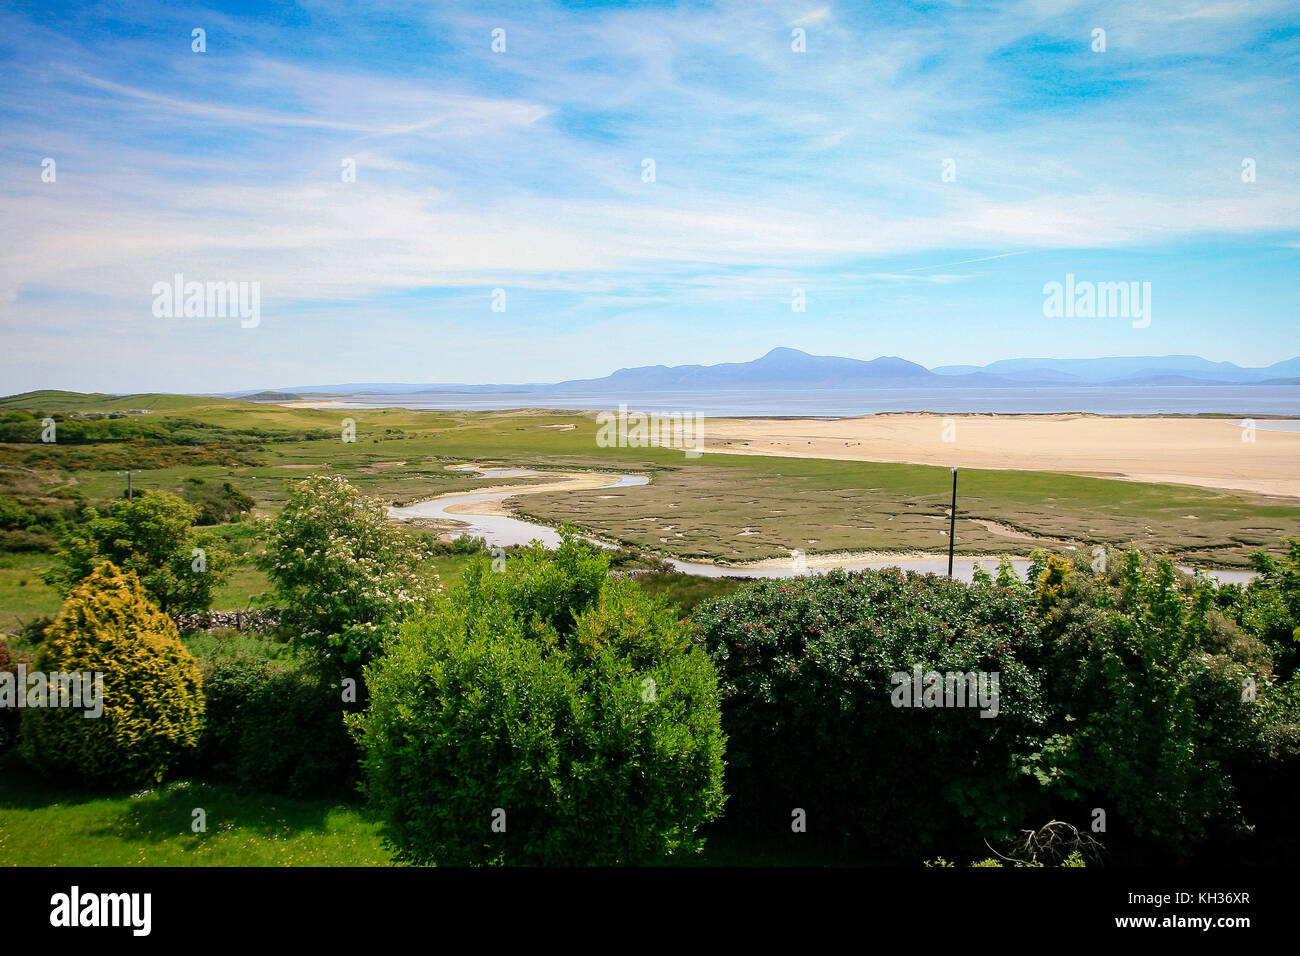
x=130, y=491
x=952, y=522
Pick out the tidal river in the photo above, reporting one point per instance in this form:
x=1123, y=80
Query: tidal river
x=502, y=530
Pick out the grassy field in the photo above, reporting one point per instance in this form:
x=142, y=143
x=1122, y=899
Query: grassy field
x=23, y=596
x=717, y=507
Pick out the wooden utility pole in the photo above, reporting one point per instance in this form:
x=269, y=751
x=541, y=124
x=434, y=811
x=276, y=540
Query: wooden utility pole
x=130, y=491
x=952, y=522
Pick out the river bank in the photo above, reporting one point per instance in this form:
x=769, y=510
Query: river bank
x=483, y=514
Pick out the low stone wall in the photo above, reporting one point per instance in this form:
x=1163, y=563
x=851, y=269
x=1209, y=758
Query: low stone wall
x=259, y=620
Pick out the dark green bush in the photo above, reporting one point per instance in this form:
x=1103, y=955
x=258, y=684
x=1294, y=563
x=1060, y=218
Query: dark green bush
x=215, y=503
x=685, y=591
x=806, y=668
x=461, y=544
x=576, y=707
x=1132, y=689
x=34, y=631
x=628, y=558
x=1146, y=678
x=22, y=541
x=34, y=515
x=275, y=728
x=1269, y=606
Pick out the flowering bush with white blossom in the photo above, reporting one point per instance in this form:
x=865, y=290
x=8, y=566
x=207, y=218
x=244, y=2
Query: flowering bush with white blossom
x=341, y=572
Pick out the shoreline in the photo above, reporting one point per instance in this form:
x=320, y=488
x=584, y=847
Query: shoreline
x=1211, y=451
x=1215, y=452
x=834, y=559
x=597, y=408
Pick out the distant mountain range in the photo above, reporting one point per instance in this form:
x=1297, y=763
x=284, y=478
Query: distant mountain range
x=1137, y=370
x=792, y=369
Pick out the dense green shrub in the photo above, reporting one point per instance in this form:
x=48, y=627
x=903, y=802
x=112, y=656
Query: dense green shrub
x=1146, y=679
x=152, y=691
x=1266, y=777
x=570, y=708
x=21, y=541
x=152, y=535
x=807, y=672
x=76, y=431
x=33, y=631
x=215, y=503
x=461, y=544
x=82, y=428
x=547, y=591
x=34, y=515
x=630, y=558
x=228, y=642
x=1269, y=606
x=685, y=591
x=274, y=728
x=340, y=572
x=1128, y=687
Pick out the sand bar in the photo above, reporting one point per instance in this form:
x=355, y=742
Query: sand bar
x=1207, y=452
x=581, y=481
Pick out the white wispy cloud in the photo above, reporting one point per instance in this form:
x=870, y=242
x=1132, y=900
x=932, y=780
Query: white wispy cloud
x=523, y=169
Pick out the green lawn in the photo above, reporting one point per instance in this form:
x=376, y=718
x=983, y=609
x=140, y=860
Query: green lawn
x=43, y=824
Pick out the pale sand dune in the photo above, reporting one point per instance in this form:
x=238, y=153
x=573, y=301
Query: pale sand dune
x=1190, y=451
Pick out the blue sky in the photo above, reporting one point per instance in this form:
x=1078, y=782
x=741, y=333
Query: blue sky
x=523, y=170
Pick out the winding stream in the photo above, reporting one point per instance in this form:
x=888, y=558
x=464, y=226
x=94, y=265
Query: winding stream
x=500, y=531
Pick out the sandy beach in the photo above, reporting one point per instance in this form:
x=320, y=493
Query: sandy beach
x=325, y=403
x=1205, y=452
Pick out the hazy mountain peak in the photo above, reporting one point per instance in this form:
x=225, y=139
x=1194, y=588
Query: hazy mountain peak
x=783, y=350
x=784, y=367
